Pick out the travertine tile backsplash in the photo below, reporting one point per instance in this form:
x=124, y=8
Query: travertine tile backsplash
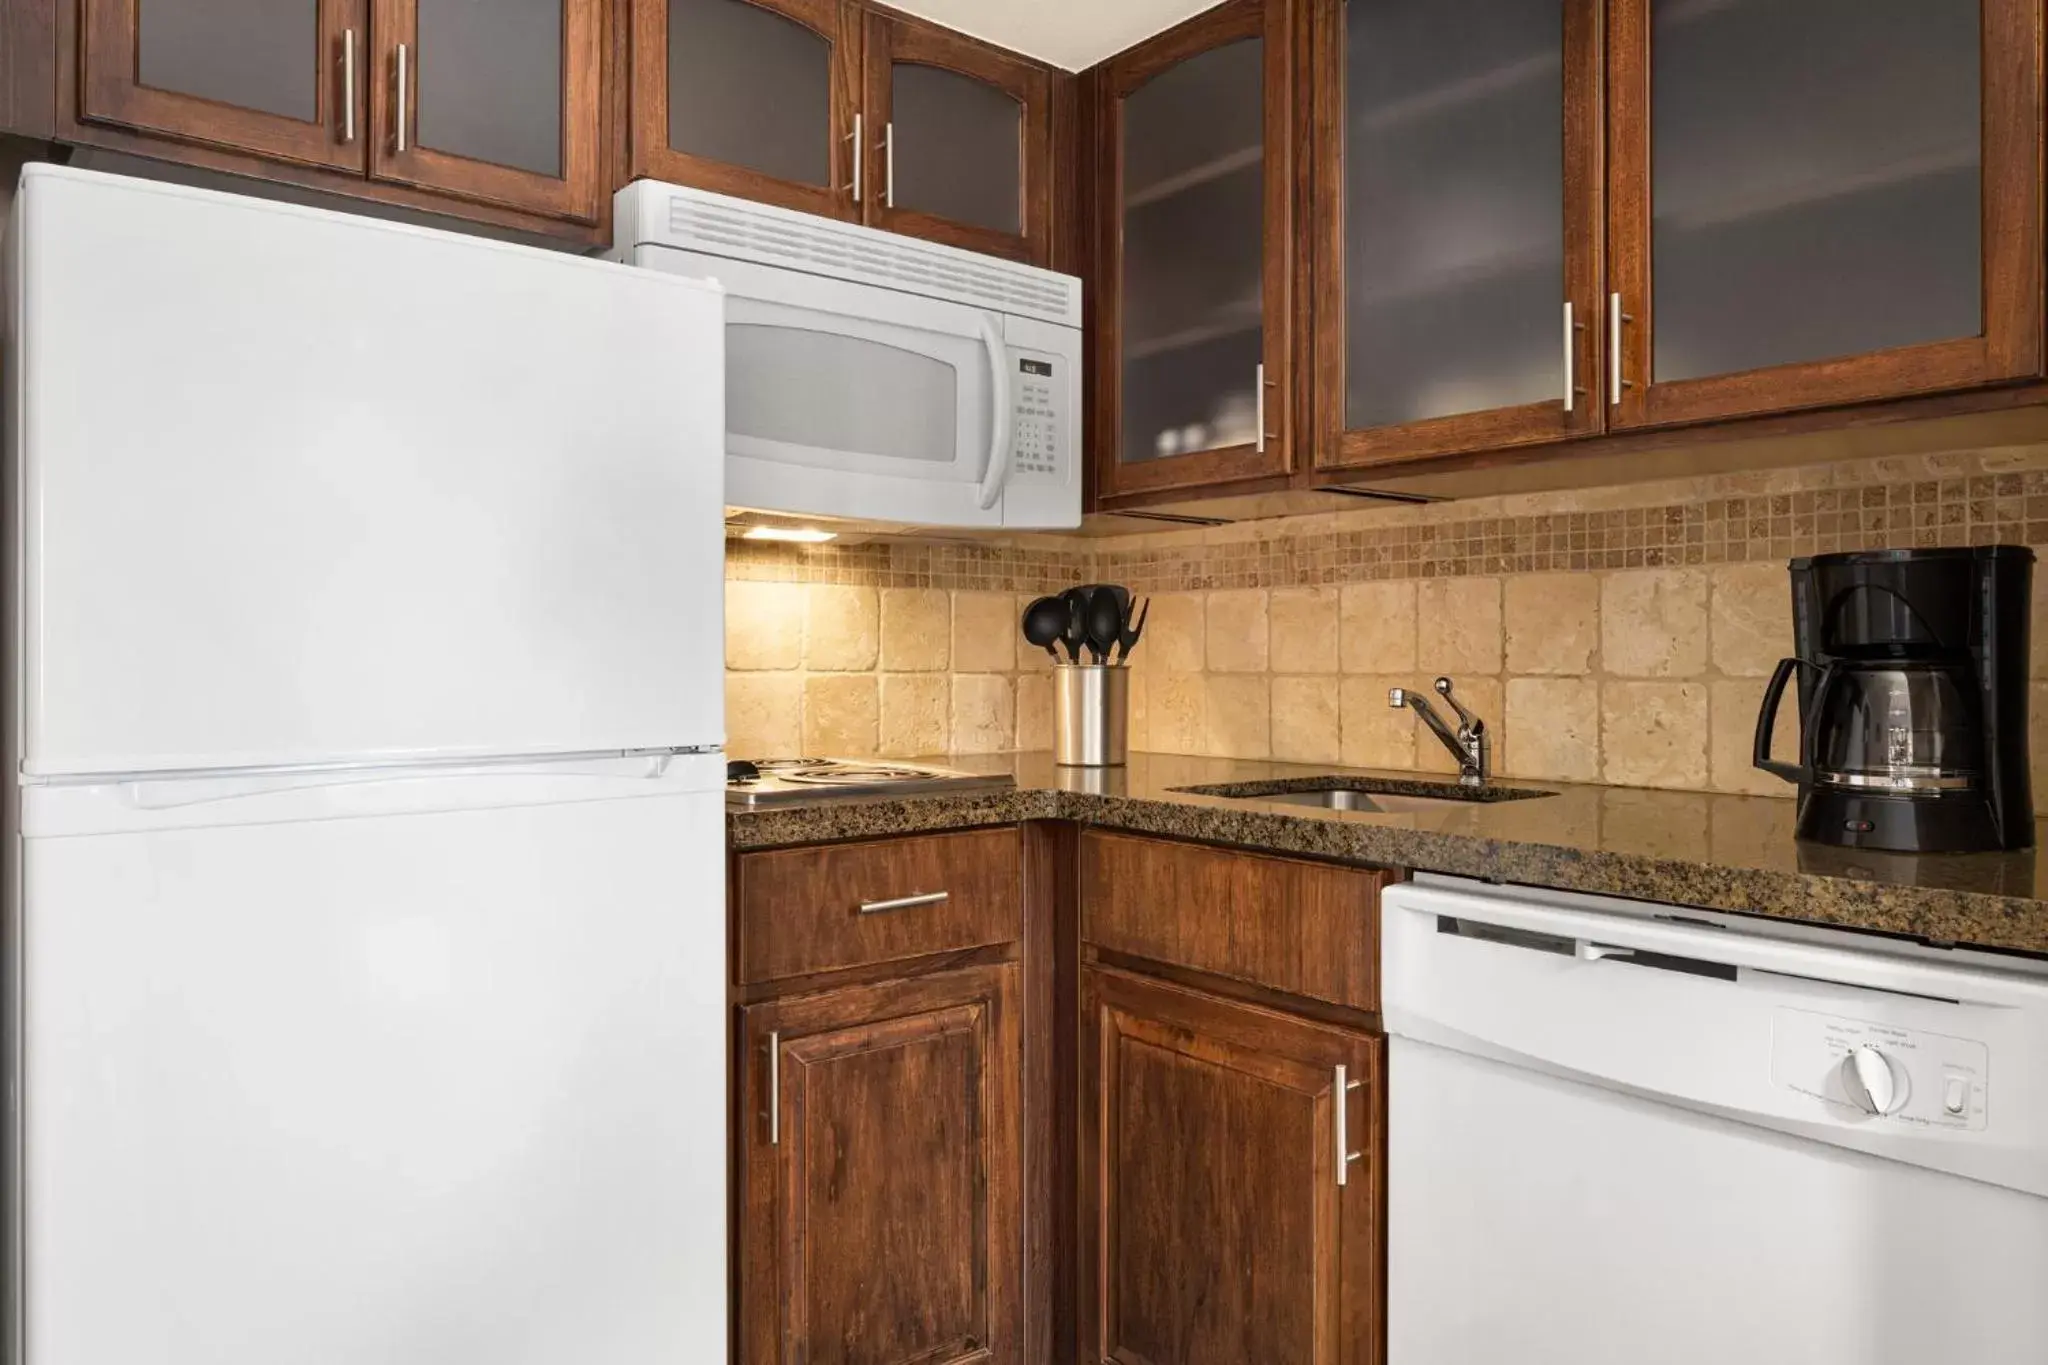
x=1620, y=636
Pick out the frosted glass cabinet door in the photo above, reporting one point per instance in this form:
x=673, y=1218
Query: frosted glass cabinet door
x=1197, y=195
x=754, y=98
x=1823, y=202
x=959, y=140
x=1457, y=224
x=270, y=77
x=494, y=100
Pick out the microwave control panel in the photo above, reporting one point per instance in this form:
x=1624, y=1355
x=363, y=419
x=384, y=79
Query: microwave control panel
x=1038, y=401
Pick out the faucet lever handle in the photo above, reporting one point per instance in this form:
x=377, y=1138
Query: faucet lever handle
x=1469, y=721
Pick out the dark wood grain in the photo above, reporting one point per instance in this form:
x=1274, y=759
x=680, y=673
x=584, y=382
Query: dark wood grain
x=1050, y=1015
x=111, y=92
x=1123, y=75
x=28, y=67
x=890, y=38
x=1215, y=1231
x=837, y=21
x=2010, y=347
x=1530, y=424
x=882, y=1218
x=576, y=194
x=1303, y=928
x=799, y=909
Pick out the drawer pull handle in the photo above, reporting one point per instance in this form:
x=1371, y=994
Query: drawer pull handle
x=905, y=902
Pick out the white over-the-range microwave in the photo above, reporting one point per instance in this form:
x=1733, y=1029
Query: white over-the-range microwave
x=873, y=377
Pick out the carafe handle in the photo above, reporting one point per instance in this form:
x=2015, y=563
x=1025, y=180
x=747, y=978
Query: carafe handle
x=1766, y=721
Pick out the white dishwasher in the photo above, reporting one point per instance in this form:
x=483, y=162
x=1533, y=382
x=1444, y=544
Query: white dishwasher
x=1626, y=1134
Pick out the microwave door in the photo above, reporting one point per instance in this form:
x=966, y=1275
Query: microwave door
x=858, y=401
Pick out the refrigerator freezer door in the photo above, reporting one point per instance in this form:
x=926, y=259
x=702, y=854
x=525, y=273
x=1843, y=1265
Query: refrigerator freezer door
x=298, y=487
x=408, y=1088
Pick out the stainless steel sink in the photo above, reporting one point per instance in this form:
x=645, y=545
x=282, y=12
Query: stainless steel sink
x=1367, y=794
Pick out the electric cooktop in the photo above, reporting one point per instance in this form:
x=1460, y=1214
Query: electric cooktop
x=786, y=781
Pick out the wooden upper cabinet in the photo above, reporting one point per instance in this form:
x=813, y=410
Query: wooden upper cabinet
x=1194, y=199
x=754, y=98
x=959, y=140
x=284, y=79
x=881, y=1175
x=1214, y=1225
x=1821, y=203
x=496, y=102
x=1455, y=227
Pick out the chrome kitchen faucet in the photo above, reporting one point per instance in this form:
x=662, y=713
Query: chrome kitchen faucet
x=1469, y=743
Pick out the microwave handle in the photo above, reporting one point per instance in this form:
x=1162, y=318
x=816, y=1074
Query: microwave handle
x=999, y=442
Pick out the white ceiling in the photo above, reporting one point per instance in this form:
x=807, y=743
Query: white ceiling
x=1067, y=33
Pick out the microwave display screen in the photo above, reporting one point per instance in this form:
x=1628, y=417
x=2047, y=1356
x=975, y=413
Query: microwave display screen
x=1040, y=367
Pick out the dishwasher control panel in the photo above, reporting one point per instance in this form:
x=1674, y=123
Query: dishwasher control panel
x=1881, y=1072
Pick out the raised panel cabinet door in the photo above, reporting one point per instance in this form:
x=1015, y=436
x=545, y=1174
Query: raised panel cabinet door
x=1455, y=225
x=1195, y=196
x=283, y=79
x=959, y=140
x=496, y=100
x=882, y=1180
x=1231, y=1187
x=1820, y=203
x=754, y=98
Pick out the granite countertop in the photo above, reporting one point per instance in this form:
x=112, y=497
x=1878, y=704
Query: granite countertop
x=1733, y=853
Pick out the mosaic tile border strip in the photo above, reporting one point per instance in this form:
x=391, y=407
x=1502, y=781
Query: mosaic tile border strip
x=2007, y=509
x=1977, y=509
x=906, y=564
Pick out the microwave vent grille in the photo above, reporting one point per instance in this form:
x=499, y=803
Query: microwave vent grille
x=867, y=256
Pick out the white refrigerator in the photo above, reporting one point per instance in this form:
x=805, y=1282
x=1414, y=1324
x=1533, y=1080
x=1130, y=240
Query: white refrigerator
x=365, y=927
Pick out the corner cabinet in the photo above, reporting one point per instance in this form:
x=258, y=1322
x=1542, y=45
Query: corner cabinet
x=1822, y=203
x=1229, y=1160
x=1231, y=1166
x=830, y=108
x=1455, y=226
x=499, y=106
x=1194, y=192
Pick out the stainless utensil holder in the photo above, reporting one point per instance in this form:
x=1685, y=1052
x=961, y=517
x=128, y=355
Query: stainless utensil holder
x=1091, y=715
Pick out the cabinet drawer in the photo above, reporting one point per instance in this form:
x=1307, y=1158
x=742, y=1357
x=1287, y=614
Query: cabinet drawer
x=1309, y=929
x=821, y=909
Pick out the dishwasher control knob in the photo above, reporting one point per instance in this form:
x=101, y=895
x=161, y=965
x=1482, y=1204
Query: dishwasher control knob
x=1873, y=1081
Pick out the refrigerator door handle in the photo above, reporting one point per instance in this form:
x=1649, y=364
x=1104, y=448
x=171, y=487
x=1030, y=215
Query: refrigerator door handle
x=152, y=793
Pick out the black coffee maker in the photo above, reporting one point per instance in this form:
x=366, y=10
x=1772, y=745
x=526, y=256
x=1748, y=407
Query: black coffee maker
x=1912, y=672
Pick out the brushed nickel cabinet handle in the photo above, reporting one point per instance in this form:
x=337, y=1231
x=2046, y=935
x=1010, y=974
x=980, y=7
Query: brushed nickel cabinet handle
x=1259, y=414
x=905, y=902
x=860, y=154
x=1341, y=1102
x=348, y=85
x=401, y=97
x=774, y=1089
x=1615, y=317
x=1571, y=379
x=889, y=164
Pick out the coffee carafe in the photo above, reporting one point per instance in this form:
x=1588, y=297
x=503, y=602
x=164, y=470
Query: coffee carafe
x=1912, y=670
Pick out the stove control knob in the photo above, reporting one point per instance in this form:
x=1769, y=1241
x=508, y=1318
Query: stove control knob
x=1873, y=1081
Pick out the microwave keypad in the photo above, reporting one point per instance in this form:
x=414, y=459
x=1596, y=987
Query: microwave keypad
x=1037, y=446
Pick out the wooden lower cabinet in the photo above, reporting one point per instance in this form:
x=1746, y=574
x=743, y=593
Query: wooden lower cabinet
x=1215, y=1229
x=882, y=1190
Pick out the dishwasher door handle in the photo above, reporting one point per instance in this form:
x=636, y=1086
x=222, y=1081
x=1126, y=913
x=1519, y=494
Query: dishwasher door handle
x=1598, y=952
